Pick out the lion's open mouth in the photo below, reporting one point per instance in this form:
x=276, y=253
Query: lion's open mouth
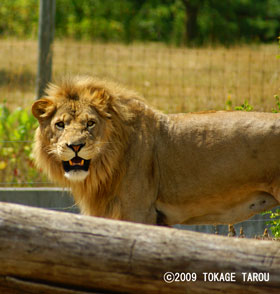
x=76, y=163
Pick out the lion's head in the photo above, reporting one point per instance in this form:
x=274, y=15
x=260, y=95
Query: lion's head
x=83, y=128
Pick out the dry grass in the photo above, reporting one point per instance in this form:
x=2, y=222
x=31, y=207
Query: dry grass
x=171, y=79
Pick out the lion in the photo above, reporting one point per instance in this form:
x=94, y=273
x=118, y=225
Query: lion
x=124, y=160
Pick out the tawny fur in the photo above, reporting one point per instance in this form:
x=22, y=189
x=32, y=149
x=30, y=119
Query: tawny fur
x=96, y=195
x=212, y=167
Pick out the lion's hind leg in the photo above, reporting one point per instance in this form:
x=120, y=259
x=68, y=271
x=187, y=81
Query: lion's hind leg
x=262, y=201
x=255, y=203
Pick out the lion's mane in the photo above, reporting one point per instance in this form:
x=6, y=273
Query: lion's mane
x=110, y=100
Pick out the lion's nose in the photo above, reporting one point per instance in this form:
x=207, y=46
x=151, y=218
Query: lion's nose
x=75, y=147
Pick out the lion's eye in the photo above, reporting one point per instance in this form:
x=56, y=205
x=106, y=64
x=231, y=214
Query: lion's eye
x=60, y=125
x=90, y=124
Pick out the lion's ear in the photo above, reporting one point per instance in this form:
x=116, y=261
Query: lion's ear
x=101, y=96
x=101, y=100
x=43, y=108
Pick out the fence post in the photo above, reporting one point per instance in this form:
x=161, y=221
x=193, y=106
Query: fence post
x=46, y=35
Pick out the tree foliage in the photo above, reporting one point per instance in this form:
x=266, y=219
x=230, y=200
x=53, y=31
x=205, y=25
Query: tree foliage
x=191, y=22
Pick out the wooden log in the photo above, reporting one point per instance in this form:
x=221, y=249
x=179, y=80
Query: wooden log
x=44, y=251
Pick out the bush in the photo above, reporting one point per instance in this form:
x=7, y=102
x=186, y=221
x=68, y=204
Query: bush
x=275, y=222
x=16, y=134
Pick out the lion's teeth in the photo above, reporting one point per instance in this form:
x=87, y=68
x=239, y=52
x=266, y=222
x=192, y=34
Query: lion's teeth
x=77, y=163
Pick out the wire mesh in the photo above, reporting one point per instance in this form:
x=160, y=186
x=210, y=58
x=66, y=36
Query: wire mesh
x=172, y=79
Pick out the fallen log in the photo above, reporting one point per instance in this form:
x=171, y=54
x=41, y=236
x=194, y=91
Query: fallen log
x=44, y=251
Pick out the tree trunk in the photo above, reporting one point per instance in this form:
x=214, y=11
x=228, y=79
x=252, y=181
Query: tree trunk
x=44, y=251
x=191, y=29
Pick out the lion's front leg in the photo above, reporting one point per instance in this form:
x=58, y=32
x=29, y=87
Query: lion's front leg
x=138, y=196
x=138, y=206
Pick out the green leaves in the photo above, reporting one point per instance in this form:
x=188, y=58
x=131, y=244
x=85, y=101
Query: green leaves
x=178, y=21
x=16, y=134
x=16, y=125
x=277, y=109
x=244, y=107
x=275, y=222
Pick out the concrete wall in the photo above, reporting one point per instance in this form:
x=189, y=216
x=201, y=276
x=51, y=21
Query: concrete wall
x=50, y=198
x=255, y=226
x=59, y=199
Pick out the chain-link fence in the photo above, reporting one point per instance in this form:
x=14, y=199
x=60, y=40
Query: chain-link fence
x=172, y=79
